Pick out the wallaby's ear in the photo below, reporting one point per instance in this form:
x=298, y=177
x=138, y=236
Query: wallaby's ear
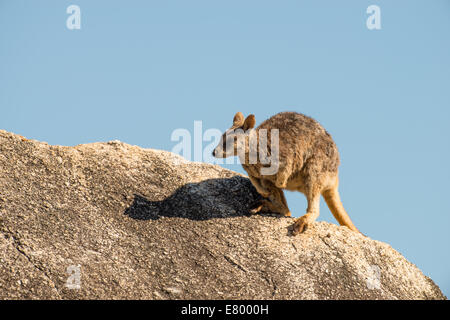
x=249, y=122
x=238, y=120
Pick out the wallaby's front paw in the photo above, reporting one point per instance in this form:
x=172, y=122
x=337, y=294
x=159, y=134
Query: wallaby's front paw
x=300, y=225
x=261, y=206
x=266, y=206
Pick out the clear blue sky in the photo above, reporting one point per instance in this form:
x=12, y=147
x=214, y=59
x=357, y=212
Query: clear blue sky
x=137, y=70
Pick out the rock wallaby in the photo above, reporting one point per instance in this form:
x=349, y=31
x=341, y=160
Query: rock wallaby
x=307, y=160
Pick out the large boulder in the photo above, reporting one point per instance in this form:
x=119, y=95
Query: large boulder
x=111, y=220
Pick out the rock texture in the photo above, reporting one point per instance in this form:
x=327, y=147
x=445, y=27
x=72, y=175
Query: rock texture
x=144, y=224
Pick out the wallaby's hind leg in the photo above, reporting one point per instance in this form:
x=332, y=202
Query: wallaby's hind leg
x=333, y=201
x=313, y=197
x=277, y=202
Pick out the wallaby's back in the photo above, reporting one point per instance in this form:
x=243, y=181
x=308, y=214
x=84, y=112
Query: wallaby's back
x=303, y=139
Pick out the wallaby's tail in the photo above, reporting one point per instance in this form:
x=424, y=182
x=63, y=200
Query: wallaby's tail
x=333, y=201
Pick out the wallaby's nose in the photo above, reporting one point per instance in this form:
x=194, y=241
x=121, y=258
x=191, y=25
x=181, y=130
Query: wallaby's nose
x=214, y=153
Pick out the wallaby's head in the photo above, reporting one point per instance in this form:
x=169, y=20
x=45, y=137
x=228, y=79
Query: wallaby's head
x=234, y=138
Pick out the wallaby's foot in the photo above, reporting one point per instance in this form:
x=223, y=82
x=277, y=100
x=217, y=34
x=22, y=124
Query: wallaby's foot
x=266, y=206
x=301, y=224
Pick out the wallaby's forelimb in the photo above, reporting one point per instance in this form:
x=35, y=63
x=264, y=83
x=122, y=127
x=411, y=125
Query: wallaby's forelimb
x=259, y=187
x=283, y=175
x=277, y=201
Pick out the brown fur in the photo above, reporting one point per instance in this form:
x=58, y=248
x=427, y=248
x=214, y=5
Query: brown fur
x=308, y=162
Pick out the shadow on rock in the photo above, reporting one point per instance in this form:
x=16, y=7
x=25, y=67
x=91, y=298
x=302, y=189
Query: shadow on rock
x=212, y=198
